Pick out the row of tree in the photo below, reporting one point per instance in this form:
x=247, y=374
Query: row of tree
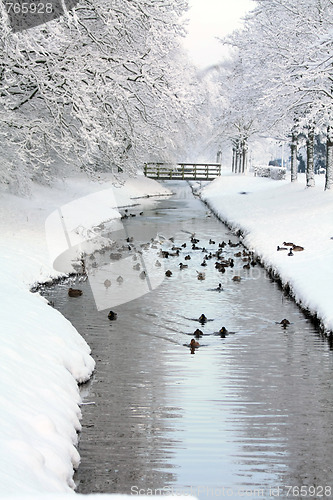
x=107, y=85
x=279, y=80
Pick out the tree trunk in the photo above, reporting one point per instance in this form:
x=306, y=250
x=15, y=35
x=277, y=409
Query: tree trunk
x=310, y=181
x=238, y=160
x=233, y=159
x=244, y=155
x=329, y=159
x=294, y=161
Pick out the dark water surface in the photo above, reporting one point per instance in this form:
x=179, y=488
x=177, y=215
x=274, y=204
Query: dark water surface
x=249, y=415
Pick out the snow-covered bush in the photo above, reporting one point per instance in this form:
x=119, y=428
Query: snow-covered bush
x=276, y=173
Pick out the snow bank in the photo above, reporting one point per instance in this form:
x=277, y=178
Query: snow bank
x=43, y=356
x=270, y=212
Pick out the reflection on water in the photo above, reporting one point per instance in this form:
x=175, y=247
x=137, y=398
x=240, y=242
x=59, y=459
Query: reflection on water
x=247, y=413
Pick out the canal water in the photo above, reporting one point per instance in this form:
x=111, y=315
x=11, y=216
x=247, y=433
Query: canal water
x=249, y=413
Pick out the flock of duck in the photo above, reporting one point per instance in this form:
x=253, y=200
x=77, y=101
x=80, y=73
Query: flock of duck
x=291, y=247
x=211, y=251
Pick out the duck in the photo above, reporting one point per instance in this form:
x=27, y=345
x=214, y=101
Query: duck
x=246, y=266
x=220, y=267
x=184, y=245
x=281, y=248
x=120, y=279
x=201, y=276
x=198, y=333
x=168, y=273
x=284, y=322
x=219, y=287
x=297, y=248
x=223, y=332
x=107, y=283
x=290, y=253
x=187, y=257
x=194, y=344
x=233, y=245
x=74, y=292
x=211, y=242
x=183, y=266
x=203, y=263
x=158, y=264
x=202, y=319
x=236, y=278
x=238, y=254
x=143, y=275
x=136, y=267
x=288, y=244
x=112, y=316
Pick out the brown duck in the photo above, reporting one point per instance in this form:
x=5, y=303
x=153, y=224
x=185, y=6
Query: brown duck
x=74, y=292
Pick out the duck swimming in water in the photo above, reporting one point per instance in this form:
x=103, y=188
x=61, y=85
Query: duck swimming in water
x=202, y=319
x=194, y=344
x=74, y=292
x=198, y=333
x=223, y=332
x=112, y=315
x=285, y=322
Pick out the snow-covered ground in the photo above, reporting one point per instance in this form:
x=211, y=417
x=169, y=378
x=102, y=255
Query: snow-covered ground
x=269, y=213
x=44, y=357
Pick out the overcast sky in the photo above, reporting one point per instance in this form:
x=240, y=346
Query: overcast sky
x=209, y=19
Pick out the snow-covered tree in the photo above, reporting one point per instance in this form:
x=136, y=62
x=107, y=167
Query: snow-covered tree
x=103, y=86
x=286, y=50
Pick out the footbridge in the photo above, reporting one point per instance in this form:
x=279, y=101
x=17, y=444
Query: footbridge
x=183, y=171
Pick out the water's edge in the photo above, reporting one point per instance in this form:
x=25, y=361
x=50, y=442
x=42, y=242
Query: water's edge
x=273, y=273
